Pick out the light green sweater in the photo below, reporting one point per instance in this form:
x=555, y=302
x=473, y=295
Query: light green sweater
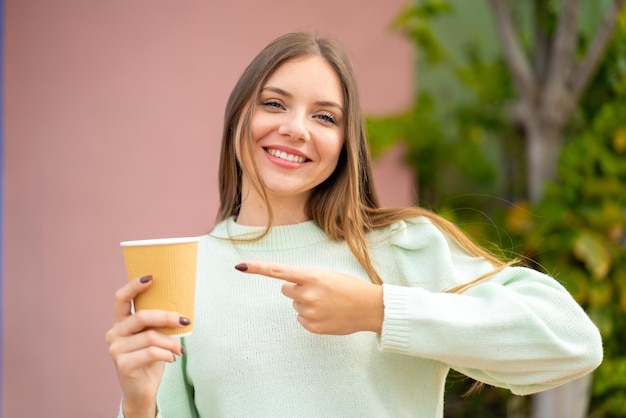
x=249, y=357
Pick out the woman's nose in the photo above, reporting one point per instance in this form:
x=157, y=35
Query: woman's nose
x=294, y=126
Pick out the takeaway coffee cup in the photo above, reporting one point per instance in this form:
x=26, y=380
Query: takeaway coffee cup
x=172, y=264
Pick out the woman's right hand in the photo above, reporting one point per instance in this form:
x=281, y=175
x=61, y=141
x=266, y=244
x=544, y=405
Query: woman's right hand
x=139, y=352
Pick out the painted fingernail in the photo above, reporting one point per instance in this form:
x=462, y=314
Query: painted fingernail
x=184, y=321
x=145, y=279
x=173, y=357
x=242, y=267
x=183, y=351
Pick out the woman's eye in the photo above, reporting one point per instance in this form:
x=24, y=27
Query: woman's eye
x=272, y=103
x=328, y=117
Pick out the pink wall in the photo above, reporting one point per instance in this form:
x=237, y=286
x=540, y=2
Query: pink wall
x=112, y=123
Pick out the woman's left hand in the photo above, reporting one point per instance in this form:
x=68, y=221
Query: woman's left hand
x=326, y=302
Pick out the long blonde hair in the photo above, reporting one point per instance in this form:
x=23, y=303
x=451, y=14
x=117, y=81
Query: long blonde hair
x=345, y=205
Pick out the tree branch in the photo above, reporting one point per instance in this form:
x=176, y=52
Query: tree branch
x=588, y=66
x=516, y=60
x=563, y=47
x=541, y=42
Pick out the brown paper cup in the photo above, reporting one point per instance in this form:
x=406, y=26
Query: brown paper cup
x=172, y=262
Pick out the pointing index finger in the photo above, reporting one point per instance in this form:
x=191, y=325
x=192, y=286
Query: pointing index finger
x=274, y=270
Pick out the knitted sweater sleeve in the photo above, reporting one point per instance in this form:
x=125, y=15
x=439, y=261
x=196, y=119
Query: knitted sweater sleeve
x=519, y=330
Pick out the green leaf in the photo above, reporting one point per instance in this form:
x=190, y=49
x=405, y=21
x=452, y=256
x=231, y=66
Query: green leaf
x=591, y=250
x=415, y=21
x=610, y=375
x=620, y=281
x=619, y=140
x=603, y=320
x=600, y=293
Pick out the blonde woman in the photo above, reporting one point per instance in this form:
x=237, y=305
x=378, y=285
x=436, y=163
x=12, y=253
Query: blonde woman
x=314, y=301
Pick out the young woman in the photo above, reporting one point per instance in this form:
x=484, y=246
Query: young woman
x=312, y=300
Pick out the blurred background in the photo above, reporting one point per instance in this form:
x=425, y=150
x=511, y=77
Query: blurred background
x=113, y=119
x=111, y=129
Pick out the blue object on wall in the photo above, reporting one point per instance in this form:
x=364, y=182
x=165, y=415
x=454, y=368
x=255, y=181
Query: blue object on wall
x=1, y=182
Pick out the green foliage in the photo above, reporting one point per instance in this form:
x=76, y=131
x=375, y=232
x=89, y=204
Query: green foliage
x=432, y=151
x=415, y=21
x=467, y=155
x=490, y=402
x=609, y=389
x=581, y=237
x=583, y=223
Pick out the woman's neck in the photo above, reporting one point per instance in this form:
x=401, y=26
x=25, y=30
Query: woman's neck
x=254, y=211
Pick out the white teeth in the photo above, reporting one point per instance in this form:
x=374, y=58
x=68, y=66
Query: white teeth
x=284, y=156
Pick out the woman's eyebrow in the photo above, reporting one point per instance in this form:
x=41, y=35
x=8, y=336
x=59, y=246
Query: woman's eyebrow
x=278, y=90
x=284, y=93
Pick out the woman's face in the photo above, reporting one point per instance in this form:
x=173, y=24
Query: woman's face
x=297, y=129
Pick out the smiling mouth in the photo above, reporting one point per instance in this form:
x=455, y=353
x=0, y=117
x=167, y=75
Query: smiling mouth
x=286, y=157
